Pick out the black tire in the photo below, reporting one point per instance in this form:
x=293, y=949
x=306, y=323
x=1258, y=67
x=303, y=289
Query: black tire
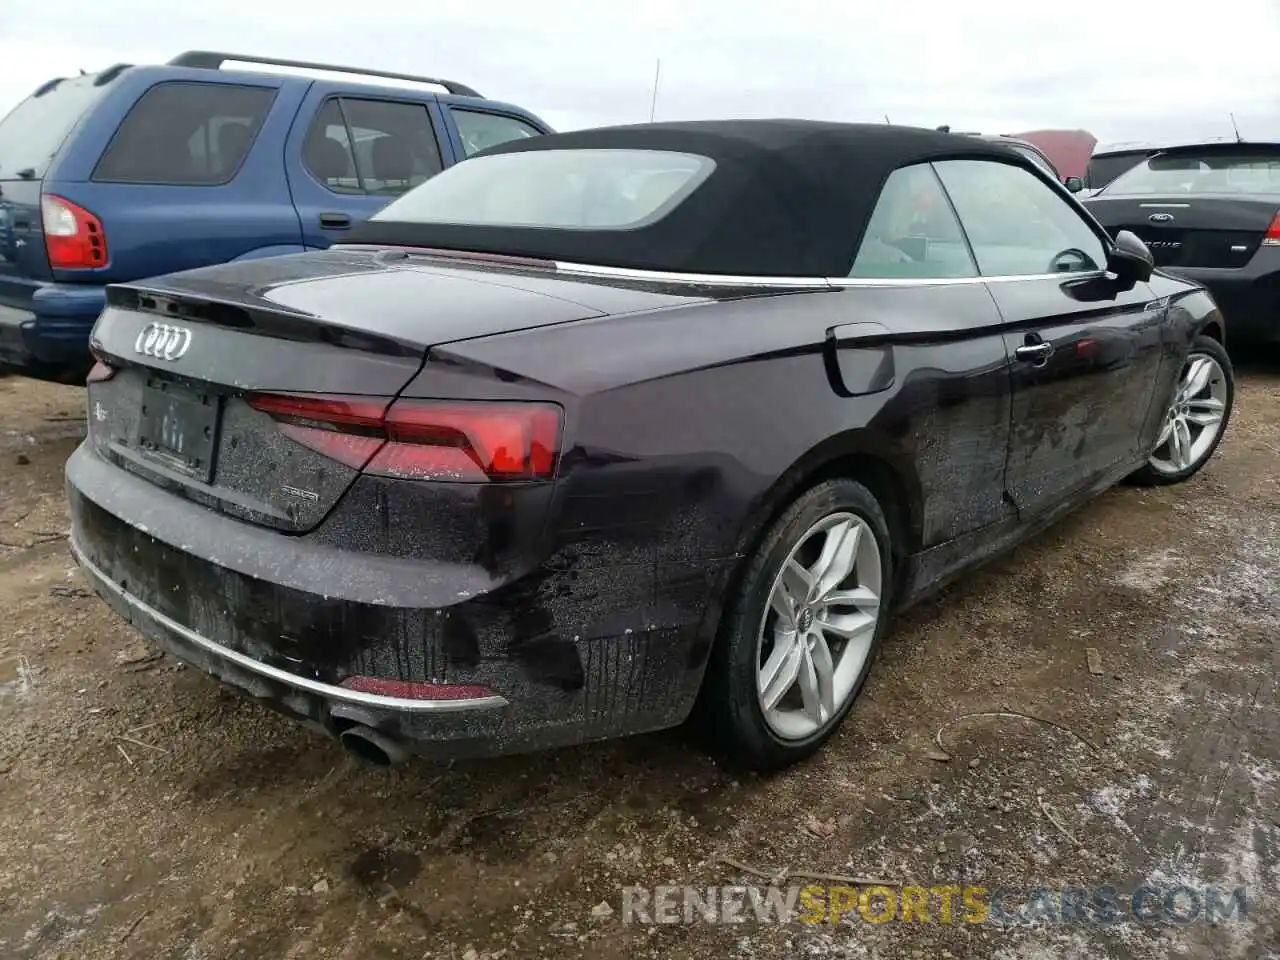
x=1149, y=476
x=729, y=716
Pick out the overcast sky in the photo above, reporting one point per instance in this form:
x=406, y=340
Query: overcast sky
x=1123, y=70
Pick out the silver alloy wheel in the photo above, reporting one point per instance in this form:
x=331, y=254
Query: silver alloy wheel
x=816, y=633
x=1194, y=418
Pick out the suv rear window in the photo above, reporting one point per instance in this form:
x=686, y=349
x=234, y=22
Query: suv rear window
x=193, y=134
x=33, y=132
x=1190, y=172
x=556, y=189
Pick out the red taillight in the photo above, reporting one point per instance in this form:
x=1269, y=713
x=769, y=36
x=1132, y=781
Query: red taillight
x=470, y=441
x=100, y=372
x=1272, y=239
x=348, y=429
x=73, y=237
x=411, y=690
x=102, y=368
x=424, y=439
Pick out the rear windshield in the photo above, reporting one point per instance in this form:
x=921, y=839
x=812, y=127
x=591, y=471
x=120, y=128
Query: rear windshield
x=555, y=189
x=1207, y=172
x=1102, y=170
x=33, y=132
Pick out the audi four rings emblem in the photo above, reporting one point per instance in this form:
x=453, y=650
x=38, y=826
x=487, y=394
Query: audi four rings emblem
x=162, y=341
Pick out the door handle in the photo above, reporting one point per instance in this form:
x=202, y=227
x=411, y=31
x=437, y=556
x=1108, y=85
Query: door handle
x=1036, y=354
x=335, y=221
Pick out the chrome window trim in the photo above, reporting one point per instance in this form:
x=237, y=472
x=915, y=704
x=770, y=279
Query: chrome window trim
x=716, y=279
x=951, y=281
x=719, y=279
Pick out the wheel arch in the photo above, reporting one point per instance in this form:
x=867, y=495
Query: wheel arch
x=1204, y=314
x=1212, y=328
x=856, y=455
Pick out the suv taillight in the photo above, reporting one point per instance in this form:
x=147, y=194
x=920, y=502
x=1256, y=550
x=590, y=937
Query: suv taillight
x=424, y=439
x=1272, y=239
x=73, y=236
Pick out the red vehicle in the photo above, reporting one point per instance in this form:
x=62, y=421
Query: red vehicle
x=1033, y=153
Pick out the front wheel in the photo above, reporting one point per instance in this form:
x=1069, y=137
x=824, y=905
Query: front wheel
x=1196, y=417
x=799, y=637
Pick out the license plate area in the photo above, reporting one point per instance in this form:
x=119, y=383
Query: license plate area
x=178, y=427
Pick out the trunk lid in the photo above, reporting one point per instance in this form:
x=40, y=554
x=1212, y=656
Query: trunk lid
x=31, y=135
x=22, y=251
x=190, y=349
x=1191, y=231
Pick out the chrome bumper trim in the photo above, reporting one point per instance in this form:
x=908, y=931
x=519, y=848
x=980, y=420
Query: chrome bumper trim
x=328, y=691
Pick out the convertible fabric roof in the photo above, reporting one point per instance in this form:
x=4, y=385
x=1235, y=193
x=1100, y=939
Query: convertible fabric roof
x=786, y=198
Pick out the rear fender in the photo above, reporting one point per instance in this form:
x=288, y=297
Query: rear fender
x=861, y=455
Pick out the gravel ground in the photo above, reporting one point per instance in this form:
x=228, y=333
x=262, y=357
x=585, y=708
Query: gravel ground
x=146, y=812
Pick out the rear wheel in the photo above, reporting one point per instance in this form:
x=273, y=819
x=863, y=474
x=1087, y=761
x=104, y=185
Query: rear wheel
x=1196, y=417
x=800, y=635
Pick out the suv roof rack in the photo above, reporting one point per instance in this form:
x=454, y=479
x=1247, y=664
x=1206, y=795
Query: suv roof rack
x=211, y=60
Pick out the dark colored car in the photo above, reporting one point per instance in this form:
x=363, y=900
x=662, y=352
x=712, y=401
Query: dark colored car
x=1210, y=213
x=602, y=429
x=1105, y=165
x=1111, y=160
x=137, y=171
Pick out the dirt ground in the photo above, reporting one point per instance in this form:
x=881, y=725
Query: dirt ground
x=145, y=812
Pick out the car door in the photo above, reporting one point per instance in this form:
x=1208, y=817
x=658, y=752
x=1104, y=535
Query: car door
x=1086, y=349
x=352, y=151
x=921, y=322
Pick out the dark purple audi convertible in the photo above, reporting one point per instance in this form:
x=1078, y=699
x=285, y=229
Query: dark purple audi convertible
x=601, y=431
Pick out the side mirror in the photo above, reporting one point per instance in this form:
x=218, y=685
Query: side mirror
x=1074, y=184
x=1130, y=259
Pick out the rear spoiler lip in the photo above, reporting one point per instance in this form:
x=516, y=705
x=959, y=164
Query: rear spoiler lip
x=256, y=316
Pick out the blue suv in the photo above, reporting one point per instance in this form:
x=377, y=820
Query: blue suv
x=142, y=170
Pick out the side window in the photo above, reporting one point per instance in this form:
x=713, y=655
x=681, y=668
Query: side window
x=191, y=134
x=326, y=153
x=375, y=147
x=913, y=232
x=480, y=131
x=394, y=144
x=1017, y=225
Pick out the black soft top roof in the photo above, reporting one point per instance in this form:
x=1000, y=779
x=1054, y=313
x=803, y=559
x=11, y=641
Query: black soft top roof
x=786, y=198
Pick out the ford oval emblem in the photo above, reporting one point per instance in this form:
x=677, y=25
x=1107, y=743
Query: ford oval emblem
x=1161, y=218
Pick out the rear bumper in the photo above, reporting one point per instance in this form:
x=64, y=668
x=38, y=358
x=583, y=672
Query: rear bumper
x=51, y=326
x=1249, y=296
x=302, y=696
x=285, y=619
